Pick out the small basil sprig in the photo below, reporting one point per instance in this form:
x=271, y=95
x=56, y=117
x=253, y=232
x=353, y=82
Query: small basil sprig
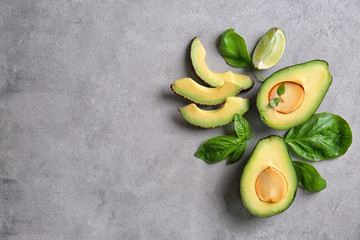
x=308, y=177
x=218, y=148
x=324, y=136
x=233, y=49
x=242, y=127
x=239, y=152
x=274, y=102
x=226, y=147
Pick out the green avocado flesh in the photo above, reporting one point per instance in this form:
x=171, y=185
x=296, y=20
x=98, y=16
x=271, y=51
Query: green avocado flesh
x=198, y=55
x=315, y=80
x=215, y=118
x=193, y=91
x=268, y=184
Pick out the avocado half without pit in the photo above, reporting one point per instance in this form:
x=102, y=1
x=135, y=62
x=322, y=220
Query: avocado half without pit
x=268, y=184
x=305, y=87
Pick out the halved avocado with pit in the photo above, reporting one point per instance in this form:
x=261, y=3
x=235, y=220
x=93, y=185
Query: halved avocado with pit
x=215, y=118
x=198, y=55
x=193, y=91
x=268, y=184
x=305, y=87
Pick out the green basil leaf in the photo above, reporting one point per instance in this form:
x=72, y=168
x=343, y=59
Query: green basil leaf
x=281, y=90
x=217, y=149
x=233, y=49
x=274, y=102
x=239, y=152
x=242, y=127
x=324, y=136
x=308, y=177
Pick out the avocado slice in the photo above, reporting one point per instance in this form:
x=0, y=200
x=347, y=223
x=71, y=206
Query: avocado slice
x=215, y=118
x=305, y=87
x=212, y=78
x=268, y=183
x=193, y=91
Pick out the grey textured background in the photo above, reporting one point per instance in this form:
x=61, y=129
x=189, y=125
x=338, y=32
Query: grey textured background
x=92, y=145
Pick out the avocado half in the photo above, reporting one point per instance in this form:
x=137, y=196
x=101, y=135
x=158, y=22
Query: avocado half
x=198, y=55
x=313, y=77
x=215, y=118
x=268, y=183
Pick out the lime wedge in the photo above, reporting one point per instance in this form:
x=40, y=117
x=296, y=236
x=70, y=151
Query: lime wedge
x=269, y=49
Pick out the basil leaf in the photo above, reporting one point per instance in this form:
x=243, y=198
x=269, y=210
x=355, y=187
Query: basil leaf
x=308, y=177
x=239, y=152
x=281, y=90
x=218, y=148
x=242, y=127
x=233, y=49
x=324, y=136
x=274, y=102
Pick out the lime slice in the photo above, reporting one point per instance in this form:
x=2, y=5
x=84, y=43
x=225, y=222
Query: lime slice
x=269, y=49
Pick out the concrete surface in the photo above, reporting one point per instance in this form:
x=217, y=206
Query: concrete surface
x=92, y=145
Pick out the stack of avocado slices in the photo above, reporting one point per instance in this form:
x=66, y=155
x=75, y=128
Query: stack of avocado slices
x=225, y=87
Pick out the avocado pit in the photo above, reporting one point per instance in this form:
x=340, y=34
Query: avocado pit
x=291, y=99
x=271, y=185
